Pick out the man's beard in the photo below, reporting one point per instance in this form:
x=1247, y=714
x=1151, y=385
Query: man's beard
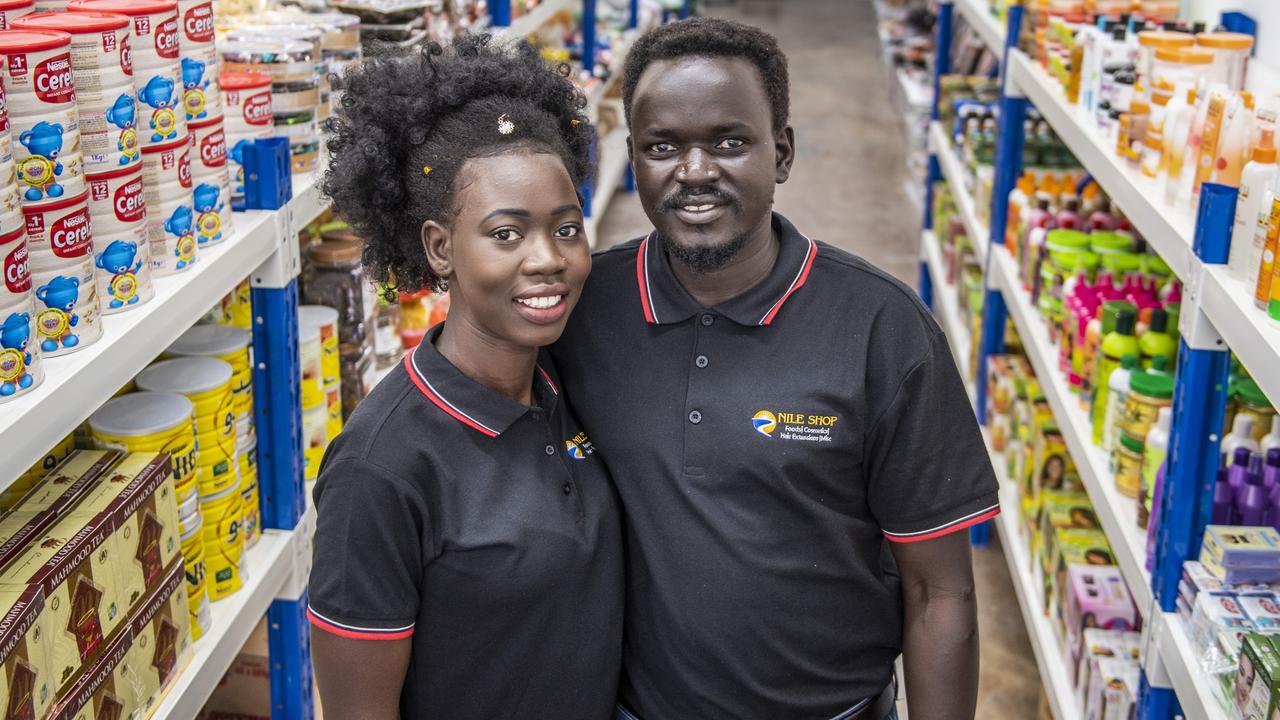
x=703, y=259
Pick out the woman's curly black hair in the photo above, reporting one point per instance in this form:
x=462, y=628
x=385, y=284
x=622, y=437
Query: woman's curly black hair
x=435, y=108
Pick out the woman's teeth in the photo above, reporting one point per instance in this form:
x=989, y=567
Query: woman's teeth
x=541, y=303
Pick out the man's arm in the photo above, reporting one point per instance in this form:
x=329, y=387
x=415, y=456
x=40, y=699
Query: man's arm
x=359, y=679
x=940, y=632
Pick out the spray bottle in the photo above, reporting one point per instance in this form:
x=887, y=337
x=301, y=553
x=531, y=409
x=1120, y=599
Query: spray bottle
x=1255, y=186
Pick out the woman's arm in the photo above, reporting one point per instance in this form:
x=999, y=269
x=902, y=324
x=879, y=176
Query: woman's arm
x=359, y=679
x=940, y=632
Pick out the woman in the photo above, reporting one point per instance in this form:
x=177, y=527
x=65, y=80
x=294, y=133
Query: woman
x=468, y=555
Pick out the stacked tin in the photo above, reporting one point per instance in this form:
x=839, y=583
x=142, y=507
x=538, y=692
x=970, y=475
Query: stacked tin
x=339, y=47
x=201, y=93
x=166, y=182
x=247, y=99
x=290, y=56
x=12, y=9
x=211, y=194
x=41, y=101
x=100, y=57
x=20, y=367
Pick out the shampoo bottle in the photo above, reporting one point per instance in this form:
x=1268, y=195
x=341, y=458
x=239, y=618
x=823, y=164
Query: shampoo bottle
x=1117, y=392
x=1154, y=450
x=1241, y=436
x=1156, y=341
x=1115, y=345
x=1255, y=181
x=1253, y=507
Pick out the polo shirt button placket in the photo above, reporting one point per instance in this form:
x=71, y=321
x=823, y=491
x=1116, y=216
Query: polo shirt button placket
x=708, y=319
x=701, y=361
x=695, y=417
x=551, y=450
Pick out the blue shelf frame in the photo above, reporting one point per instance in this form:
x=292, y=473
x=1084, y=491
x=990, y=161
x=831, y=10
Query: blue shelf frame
x=1202, y=374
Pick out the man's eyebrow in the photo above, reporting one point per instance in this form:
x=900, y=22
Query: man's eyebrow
x=731, y=126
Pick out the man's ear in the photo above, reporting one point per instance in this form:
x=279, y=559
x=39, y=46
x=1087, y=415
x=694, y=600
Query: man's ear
x=784, y=147
x=437, y=242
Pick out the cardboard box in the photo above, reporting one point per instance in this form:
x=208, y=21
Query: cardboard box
x=1097, y=598
x=1217, y=620
x=1098, y=644
x=103, y=691
x=1237, y=554
x=136, y=498
x=1116, y=691
x=73, y=563
x=161, y=630
x=53, y=496
x=1263, y=610
x=1053, y=467
x=1073, y=546
x=1254, y=689
x=27, y=689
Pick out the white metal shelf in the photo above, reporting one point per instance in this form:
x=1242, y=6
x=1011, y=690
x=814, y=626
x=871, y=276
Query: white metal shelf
x=1197, y=692
x=612, y=168
x=986, y=25
x=1227, y=300
x=954, y=171
x=946, y=304
x=77, y=384
x=1118, y=514
x=918, y=95
x=1166, y=230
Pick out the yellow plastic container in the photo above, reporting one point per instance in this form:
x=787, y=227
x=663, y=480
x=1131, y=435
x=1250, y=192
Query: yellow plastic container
x=333, y=413
x=223, y=542
x=193, y=557
x=209, y=443
x=206, y=382
x=189, y=513
x=150, y=422
x=240, y=311
x=325, y=319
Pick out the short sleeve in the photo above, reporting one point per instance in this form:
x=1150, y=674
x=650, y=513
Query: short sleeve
x=928, y=470
x=370, y=548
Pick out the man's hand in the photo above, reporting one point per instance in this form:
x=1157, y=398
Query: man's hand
x=940, y=635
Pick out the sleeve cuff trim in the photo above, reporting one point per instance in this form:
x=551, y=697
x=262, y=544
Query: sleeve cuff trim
x=947, y=528
x=353, y=632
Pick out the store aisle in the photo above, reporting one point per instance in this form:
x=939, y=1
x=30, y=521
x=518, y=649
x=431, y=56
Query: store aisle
x=848, y=188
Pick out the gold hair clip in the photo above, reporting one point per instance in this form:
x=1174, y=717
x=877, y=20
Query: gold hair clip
x=505, y=126
x=426, y=169
x=575, y=122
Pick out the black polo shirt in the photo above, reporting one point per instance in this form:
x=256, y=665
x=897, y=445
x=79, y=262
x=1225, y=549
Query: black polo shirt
x=484, y=529
x=763, y=451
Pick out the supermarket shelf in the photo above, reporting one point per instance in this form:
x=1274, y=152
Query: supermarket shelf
x=1228, y=301
x=536, y=18
x=946, y=303
x=268, y=566
x=953, y=171
x=1054, y=675
x=978, y=15
x=918, y=95
x=1118, y=514
x=1168, y=231
x=613, y=166
x=1196, y=690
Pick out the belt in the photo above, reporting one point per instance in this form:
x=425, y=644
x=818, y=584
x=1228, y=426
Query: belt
x=874, y=709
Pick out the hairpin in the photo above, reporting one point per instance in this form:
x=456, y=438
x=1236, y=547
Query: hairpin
x=426, y=169
x=505, y=126
x=575, y=122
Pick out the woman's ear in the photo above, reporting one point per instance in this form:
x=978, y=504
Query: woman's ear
x=438, y=244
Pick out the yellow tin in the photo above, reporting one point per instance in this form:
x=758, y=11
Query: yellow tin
x=310, y=362
x=333, y=415
x=326, y=319
x=206, y=382
x=216, y=476
x=223, y=542
x=315, y=438
x=247, y=456
x=150, y=422
x=193, y=555
x=250, y=509
x=215, y=443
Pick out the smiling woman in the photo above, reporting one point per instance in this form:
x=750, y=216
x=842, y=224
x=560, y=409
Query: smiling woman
x=462, y=495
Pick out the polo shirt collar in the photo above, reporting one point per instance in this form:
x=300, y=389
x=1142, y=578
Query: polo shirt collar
x=665, y=300
x=467, y=401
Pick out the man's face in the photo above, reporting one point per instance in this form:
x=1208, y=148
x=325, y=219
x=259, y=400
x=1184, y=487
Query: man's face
x=705, y=155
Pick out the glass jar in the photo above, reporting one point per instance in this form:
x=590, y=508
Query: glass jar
x=387, y=349
x=1127, y=459
x=1148, y=392
x=358, y=375
x=415, y=311
x=334, y=276
x=1251, y=401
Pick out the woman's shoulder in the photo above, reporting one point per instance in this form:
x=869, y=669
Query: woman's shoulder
x=373, y=437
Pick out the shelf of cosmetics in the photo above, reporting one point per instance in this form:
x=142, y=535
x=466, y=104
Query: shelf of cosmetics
x=960, y=269
x=103, y=586
x=1172, y=103
x=969, y=110
x=1075, y=580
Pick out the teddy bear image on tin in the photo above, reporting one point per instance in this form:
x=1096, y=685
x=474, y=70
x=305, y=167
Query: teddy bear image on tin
x=122, y=261
x=158, y=95
x=179, y=224
x=237, y=155
x=39, y=170
x=56, y=321
x=194, y=86
x=123, y=113
x=208, y=222
x=15, y=359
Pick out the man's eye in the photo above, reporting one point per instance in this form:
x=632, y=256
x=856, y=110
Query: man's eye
x=662, y=147
x=730, y=144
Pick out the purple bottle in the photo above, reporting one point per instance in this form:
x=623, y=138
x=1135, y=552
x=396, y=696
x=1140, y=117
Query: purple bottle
x=1235, y=475
x=1223, y=496
x=1271, y=469
x=1153, y=522
x=1253, y=507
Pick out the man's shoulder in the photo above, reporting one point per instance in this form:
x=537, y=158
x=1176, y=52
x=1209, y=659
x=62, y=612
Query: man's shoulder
x=619, y=255
x=852, y=277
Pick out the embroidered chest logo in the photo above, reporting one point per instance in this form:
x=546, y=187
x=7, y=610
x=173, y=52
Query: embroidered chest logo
x=579, y=447
x=794, y=426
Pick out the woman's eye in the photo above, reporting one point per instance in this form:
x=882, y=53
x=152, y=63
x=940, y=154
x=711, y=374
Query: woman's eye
x=568, y=231
x=730, y=144
x=506, y=235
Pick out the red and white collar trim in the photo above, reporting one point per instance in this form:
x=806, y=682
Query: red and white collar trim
x=457, y=413
x=802, y=276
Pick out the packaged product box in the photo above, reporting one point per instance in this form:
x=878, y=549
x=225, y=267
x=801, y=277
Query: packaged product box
x=1217, y=620
x=104, y=690
x=1052, y=464
x=1097, y=598
x=137, y=499
x=1263, y=610
x=27, y=688
x=1114, y=690
x=1238, y=554
x=18, y=528
x=58, y=491
x=1253, y=692
x=1074, y=546
x=1099, y=644
x=1065, y=509
x=73, y=564
x=1195, y=578
x=161, y=630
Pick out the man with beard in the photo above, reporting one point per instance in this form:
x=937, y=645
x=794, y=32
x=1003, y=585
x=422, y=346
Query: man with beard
x=794, y=449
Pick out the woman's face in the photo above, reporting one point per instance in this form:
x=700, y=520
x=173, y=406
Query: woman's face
x=516, y=256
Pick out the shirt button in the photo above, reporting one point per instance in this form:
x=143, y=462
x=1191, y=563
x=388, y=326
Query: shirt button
x=567, y=488
x=695, y=417
x=707, y=319
x=551, y=450
x=701, y=361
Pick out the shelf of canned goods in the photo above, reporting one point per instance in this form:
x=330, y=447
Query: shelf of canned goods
x=1217, y=319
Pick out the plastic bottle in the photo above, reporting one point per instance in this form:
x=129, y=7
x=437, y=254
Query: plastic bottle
x=1255, y=181
x=1210, y=137
x=1068, y=218
x=1238, y=468
x=1241, y=436
x=1117, y=391
x=1156, y=341
x=1267, y=258
x=1271, y=469
x=1272, y=439
x=1223, y=497
x=1155, y=449
x=1115, y=345
x=1019, y=211
x=1252, y=508
x=1178, y=119
x=1233, y=144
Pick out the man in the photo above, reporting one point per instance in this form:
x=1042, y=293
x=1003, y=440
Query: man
x=772, y=410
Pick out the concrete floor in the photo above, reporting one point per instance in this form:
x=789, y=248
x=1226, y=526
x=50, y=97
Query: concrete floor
x=848, y=188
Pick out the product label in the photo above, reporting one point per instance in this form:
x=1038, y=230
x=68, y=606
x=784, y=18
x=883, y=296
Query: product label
x=126, y=56
x=129, y=202
x=184, y=168
x=69, y=236
x=17, y=65
x=99, y=190
x=257, y=109
x=197, y=23
x=167, y=39
x=17, y=270
x=109, y=41
x=53, y=80
x=142, y=25
x=168, y=160
x=213, y=149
